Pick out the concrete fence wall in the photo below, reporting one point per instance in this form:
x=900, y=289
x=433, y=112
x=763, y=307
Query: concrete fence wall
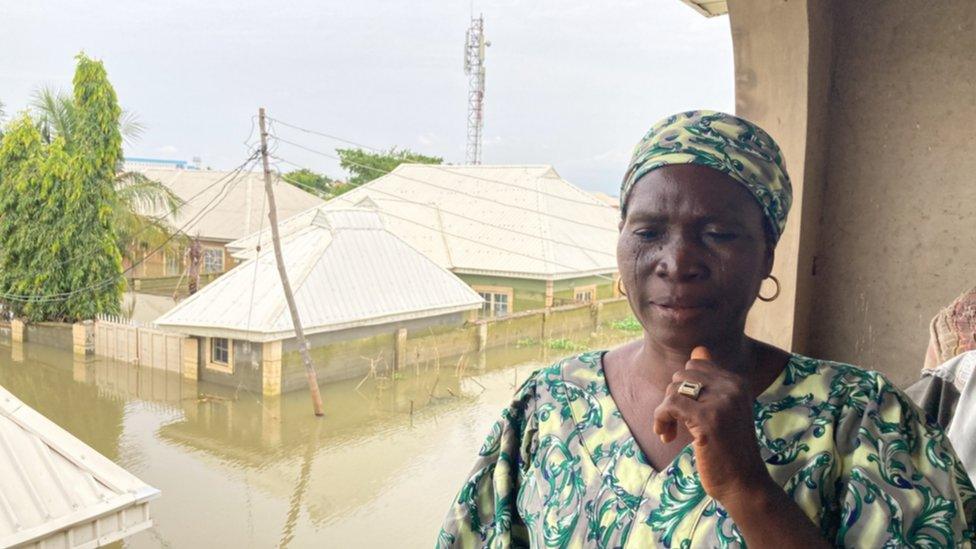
x=136, y=344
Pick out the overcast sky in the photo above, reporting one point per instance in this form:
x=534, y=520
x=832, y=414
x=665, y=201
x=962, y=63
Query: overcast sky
x=572, y=83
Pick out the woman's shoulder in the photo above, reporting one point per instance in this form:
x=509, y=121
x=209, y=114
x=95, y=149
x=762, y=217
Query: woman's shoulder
x=581, y=369
x=846, y=385
x=802, y=369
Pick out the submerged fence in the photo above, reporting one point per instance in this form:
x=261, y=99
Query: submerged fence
x=133, y=342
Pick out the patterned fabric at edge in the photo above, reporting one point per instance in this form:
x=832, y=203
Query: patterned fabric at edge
x=561, y=468
x=723, y=142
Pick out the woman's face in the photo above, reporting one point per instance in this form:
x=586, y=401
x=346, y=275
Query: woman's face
x=692, y=254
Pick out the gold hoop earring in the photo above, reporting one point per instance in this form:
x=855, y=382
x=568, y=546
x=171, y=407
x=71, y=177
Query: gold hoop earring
x=775, y=295
x=620, y=288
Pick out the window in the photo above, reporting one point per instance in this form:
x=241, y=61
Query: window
x=498, y=301
x=174, y=262
x=213, y=260
x=220, y=355
x=584, y=294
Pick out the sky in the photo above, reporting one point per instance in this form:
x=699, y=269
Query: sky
x=571, y=83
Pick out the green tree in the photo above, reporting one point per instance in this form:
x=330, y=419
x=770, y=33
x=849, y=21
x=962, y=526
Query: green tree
x=59, y=204
x=364, y=166
x=309, y=181
x=96, y=156
x=22, y=167
x=142, y=203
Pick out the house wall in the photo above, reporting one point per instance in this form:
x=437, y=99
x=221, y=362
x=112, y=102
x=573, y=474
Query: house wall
x=563, y=290
x=154, y=266
x=872, y=103
x=246, y=372
x=900, y=199
x=529, y=294
x=346, y=354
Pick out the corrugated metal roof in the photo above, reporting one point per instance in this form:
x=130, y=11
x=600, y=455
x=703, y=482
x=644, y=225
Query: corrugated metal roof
x=521, y=221
x=54, y=488
x=345, y=270
x=239, y=213
x=708, y=8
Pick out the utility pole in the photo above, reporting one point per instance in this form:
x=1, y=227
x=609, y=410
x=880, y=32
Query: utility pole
x=474, y=67
x=313, y=382
x=194, y=275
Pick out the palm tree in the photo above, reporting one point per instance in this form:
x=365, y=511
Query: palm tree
x=143, y=204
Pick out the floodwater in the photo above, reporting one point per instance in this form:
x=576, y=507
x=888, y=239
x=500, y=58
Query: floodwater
x=240, y=470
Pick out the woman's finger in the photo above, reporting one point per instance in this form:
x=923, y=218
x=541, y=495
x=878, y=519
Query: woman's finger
x=673, y=408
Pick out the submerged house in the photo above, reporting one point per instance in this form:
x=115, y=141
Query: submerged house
x=521, y=236
x=57, y=491
x=218, y=207
x=360, y=290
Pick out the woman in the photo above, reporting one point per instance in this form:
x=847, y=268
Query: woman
x=697, y=435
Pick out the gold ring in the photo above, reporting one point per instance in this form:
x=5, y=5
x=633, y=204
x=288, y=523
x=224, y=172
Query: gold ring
x=690, y=389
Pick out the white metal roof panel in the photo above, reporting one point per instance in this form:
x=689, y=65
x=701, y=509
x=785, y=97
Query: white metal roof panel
x=345, y=270
x=507, y=220
x=57, y=492
x=237, y=204
x=708, y=8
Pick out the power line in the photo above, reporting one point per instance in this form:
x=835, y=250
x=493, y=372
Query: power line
x=466, y=217
x=480, y=243
x=486, y=199
x=66, y=295
x=161, y=219
x=447, y=169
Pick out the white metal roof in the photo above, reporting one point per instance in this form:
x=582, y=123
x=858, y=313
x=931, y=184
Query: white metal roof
x=57, y=492
x=708, y=8
x=345, y=270
x=238, y=208
x=519, y=221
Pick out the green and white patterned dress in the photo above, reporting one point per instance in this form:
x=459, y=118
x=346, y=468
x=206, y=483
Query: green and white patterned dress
x=562, y=469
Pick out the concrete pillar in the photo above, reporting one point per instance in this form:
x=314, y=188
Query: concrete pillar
x=271, y=368
x=83, y=337
x=549, y=292
x=482, y=345
x=400, y=349
x=190, y=358
x=16, y=351
x=17, y=331
x=596, y=313
x=270, y=421
x=79, y=369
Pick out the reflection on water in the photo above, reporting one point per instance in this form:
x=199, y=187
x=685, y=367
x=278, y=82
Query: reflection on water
x=240, y=470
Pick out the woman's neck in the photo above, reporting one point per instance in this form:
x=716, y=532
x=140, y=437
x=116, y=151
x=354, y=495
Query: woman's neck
x=658, y=361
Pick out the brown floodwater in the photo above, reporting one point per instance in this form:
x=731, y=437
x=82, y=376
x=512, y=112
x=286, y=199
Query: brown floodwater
x=240, y=470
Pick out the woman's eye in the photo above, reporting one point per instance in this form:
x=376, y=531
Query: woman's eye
x=721, y=236
x=647, y=234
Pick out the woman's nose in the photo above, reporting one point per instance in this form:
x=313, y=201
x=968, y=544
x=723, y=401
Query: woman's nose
x=680, y=261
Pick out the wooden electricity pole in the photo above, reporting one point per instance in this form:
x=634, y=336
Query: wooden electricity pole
x=313, y=383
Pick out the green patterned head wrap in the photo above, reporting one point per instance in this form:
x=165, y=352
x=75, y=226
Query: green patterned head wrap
x=726, y=143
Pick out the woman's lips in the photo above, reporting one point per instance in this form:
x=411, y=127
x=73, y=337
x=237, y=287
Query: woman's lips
x=679, y=312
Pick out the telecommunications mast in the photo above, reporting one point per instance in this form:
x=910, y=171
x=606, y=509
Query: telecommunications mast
x=474, y=67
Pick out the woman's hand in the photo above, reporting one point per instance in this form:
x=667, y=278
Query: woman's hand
x=721, y=422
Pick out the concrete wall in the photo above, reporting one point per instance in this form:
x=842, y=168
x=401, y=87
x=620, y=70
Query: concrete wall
x=52, y=334
x=246, y=372
x=346, y=354
x=899, y=213
x=530, y=295
x=873, y=103
x=527, y=294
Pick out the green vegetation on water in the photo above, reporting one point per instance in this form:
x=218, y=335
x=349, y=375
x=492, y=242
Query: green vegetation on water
x=628, y=324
